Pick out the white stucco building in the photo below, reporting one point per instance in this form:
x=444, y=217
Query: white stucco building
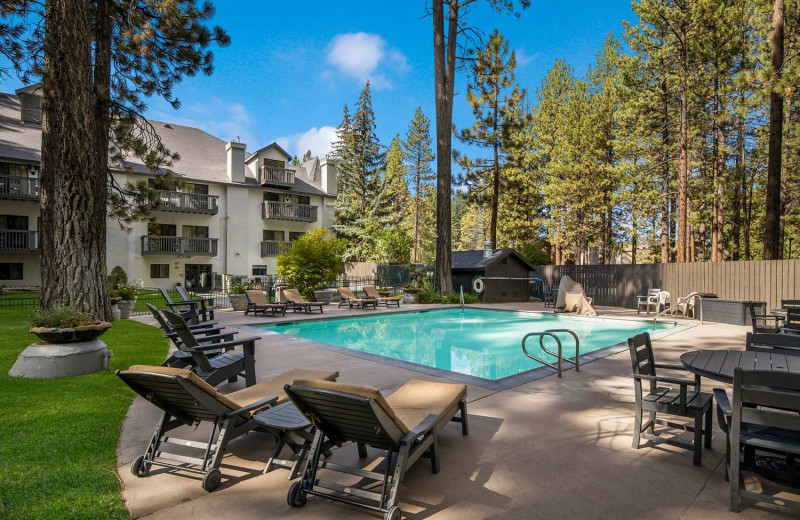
x=230, y=212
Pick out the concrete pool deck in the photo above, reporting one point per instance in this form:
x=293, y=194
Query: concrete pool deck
x=551, y=448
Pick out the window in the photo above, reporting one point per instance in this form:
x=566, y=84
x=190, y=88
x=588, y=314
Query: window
x=259, y=270
x=194, y=231
x=190, y=187
x=14, y=170
x=272, y=197
x=272, y=163
x=294, y=235
x=162, y=230
x=271, y=234
x=14, y=222
x=504, y=261
x=303, y=199
x=11, y=271
x=159, y=270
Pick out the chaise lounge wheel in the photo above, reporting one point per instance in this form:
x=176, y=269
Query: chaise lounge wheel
x=139, y=467
x=212, y=479
x=393, y=513
x=297, y=497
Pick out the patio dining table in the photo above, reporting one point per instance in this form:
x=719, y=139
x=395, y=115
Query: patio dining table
x=720, y=364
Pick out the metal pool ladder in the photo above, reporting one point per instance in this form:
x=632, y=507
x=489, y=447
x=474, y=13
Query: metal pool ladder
x=552, y=333
x=461, y=298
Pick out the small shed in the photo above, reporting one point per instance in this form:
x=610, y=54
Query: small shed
x=504, y=272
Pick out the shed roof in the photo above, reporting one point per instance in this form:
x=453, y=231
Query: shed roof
x=475, y=260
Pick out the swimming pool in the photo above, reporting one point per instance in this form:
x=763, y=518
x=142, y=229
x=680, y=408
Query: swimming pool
x=483, y=343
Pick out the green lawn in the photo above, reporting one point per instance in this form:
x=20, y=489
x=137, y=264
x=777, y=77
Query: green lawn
x=58, y=437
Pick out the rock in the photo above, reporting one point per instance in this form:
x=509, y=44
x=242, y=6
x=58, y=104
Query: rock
x=50, y=360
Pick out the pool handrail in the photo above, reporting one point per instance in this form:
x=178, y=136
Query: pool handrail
x=577, y=347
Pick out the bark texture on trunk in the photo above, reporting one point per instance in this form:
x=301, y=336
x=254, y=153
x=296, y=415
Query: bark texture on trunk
x=72, y=198
x=772, y=225
x=444, y=60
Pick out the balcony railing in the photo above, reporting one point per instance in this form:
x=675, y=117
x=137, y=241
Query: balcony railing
x=289, y=211
x=271, y=248
x=186, y=202
x=178, y=246
x=19, y=188
x=12, y=241
x=278, y=177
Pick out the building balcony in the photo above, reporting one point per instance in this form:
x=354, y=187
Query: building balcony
x=12, y=241
x=289, y=211
x=276, y=177
x=19, y=188
x=186, y=202
x=178, y=246
x=270, y=248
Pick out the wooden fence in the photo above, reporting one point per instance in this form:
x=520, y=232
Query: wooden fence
x=618, y=285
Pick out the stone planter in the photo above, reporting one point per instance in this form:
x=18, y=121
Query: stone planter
x=115, y=312
x=125, y=309
x=83, y=333
x=51, y=360
x=410, y=297
x=238, y=301
x=323, y=296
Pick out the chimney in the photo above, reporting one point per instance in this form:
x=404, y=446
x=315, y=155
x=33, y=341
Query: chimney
x=487, y=249
x=328, y=176
x=235, y=152
x=30, y=103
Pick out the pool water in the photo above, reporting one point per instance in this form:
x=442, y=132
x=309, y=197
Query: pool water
x=478, y=342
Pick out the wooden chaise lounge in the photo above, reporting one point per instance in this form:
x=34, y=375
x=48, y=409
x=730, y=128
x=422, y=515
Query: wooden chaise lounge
x=256, y=302
x=373, y=293
x=298, y=303
x=351, y=300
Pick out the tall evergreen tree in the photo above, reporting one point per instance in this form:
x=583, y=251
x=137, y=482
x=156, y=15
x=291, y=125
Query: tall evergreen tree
x=395, y=192
x=418, y=157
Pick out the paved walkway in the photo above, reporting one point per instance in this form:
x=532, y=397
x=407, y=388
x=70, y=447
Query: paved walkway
x=553, y=448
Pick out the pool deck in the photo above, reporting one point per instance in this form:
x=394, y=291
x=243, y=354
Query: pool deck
x=551, y=448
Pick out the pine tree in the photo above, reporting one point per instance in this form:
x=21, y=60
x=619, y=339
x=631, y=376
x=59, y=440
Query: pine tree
x=418, y=156
x=395, y=192
x=496, y=120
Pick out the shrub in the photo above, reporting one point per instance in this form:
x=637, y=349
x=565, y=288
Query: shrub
x=239, y=288
x=428, y=295
x=535, y=254
x=118, y=277
x=313, y=261
x=126, y=293
x=61, y=317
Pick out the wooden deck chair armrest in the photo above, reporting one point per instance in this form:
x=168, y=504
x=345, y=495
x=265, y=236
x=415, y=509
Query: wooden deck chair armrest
x=421, y=429
x=667, y=366
x=216, y=338
x=204, y=325
x=210, y=331
x=662, y=379
x=271, y=400
x=724, y=403
x=248, y=344
x=185, y=302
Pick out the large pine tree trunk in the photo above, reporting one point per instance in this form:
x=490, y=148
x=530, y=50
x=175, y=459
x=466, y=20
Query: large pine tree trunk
x=683, y=165
x=772, y=227
x=717, y=225
x=73, y=203
x=444, y=71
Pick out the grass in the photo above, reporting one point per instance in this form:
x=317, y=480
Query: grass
x=59, y=436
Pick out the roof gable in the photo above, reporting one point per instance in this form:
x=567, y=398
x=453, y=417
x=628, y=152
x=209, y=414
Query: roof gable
x=475, y=259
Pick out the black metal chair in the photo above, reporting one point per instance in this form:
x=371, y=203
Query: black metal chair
x=765, y=420
x=668, y=400
x=226, y=366
x=763, y=323
x=206, y=311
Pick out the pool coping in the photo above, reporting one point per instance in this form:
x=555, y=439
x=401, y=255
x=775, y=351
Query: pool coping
x=505, y=383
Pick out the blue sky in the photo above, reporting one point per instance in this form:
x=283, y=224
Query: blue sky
x=292, y=66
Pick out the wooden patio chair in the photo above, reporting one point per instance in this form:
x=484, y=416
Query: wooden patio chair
x=787, y=344
x=206, y=304
x=668, y=400
x=256, y=302
x=763, y=323
x=188, y=400
x=405, y=425
x=226, y=366
x=373, y=293
x=298, y=303
x=187, y=309
x=351, y=300
x=765, y=420
x=204, y=333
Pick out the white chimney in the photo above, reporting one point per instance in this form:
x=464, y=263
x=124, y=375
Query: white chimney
x=328, y=176
x=487, y=249
x=235, y=152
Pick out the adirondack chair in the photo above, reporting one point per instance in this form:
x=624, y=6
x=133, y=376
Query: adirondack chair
x=648, y=300
x=187, y=309
x=765, y=418
x=661, y=399
x=204, y=333
x=227, y=366
x=763, y=323
x=206, y=311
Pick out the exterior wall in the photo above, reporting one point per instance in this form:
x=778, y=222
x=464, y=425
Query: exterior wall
x=29, y=261
x=507, y=290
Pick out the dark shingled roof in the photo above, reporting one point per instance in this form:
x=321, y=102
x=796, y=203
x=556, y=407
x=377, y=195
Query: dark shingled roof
x=474, y=260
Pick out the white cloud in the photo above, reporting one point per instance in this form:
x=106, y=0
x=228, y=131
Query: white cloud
x=318, y=140
x=219, y=118
x=365, y=56
x=523, y=58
